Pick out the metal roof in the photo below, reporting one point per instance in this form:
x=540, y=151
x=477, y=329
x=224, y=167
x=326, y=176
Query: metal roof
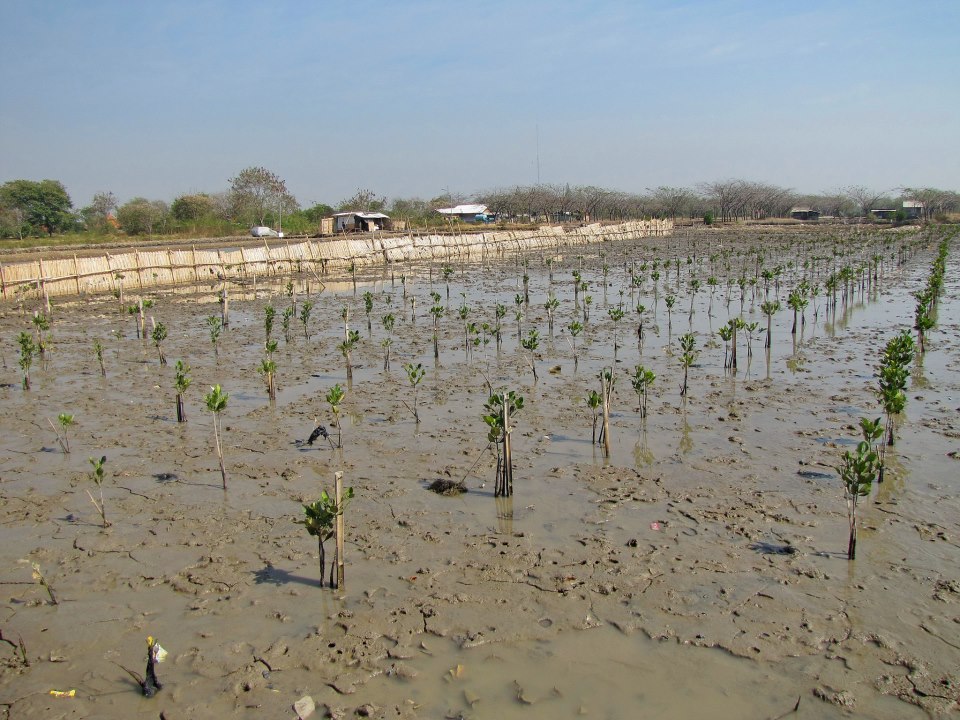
x=364, y=215
x=463, y=210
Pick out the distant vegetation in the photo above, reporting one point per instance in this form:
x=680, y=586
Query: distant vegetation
x=256, y=196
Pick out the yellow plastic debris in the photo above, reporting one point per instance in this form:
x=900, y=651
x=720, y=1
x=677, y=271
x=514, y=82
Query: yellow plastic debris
x=63, y=693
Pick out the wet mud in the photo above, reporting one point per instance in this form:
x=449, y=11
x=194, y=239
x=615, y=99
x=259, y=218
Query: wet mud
x=700, y=568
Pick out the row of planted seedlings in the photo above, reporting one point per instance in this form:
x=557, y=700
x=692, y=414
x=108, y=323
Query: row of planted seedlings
x=474, y=334
x=500, y=409
x=865, y=466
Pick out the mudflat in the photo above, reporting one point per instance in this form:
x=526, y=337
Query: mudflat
x=701, y=566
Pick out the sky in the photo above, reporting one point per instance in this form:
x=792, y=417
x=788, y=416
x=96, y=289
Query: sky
x=414, y=98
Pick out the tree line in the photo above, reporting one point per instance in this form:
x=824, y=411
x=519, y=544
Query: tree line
x=257, y=196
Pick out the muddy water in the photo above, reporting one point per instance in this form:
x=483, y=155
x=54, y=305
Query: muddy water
x=701, y=567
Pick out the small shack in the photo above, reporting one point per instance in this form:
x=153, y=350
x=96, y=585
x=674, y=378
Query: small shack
x=913, y=209
x=465, y=213
x=356, y=221
x=804, y=212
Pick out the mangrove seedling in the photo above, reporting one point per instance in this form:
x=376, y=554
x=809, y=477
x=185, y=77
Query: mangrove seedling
x=158, y=335
x=269, y=313
x=224, y=307
x=670, y=300
x=641, y=381
x=64, y=420
x=98, y=351
x=640, y=313
x=607, y=381
x=858, y=471
x=687, y=343
x=285, y=322
x=181, y=381
x=500, y=410
x=769, y=308
x=437, y=312
x=346, y=347
x=530, y=343
x=268, y=368
x=334, y=399
x=319, y=519
x=797, y=301
x=499, y=312
x=415, y=374
x=27, y=351
x=595, y=403
x=616, y=315
x=41, y=579
x=216, y=401
x=388, y=321
x=41, y=323
x=215, y=326
x=575, y=328
x=447, y=274
x=551, y=306
x=726, y=332
x=518, y=314
x=97, y=474
x=587, y=302
x=368, y=308
x=305, y=311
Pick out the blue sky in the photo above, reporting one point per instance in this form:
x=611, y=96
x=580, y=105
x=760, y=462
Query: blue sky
x=410, y=98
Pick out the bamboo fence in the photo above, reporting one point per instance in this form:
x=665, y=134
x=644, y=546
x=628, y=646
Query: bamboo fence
x=152, y=268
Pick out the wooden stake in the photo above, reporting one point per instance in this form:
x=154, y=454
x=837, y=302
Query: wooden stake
x=338, y=491
x=606, y=416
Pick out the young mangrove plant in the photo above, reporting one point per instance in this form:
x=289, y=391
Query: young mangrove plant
x=41, y=324
x=595, y=403
x=769, y=308
x=858, y=470
x=41, y=580
x=215, y=326
x=616, y=315
x=641, y=309
x=436, y=311
x=388, y=321
x=575, y=328
x=98, y=351
x=181, y=382
x=268, y=368
x=551, y=306
x=368, y=308
x=158, y=335
x=305, y=309
x=607, y=381
x=28, y=349
x=499, y=313
x=97, y=475
x=670, y=300
x=319, y=519
x=797, y=301
x=64, y=420
x=269, y=313
x=415, y=374
x=286, y=321
x=346, y=348
x=726, y=332
x=216, y=401
x=641, y=380
x=687, y=344
x=530, y=343
x=500, y=410
x=893, y=375
x=334, y=399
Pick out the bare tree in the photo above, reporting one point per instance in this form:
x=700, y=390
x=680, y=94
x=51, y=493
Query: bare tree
x=865, y=199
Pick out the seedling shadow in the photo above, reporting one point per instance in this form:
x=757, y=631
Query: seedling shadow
x=275, y=576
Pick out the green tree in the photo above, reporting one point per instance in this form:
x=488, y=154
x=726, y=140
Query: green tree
x=187, y=208
x=256, y=192
x=37, y=207
x=365, y=201
x=142, y=217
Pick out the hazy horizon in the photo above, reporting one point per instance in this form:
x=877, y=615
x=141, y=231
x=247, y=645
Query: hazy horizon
x=417, y=98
